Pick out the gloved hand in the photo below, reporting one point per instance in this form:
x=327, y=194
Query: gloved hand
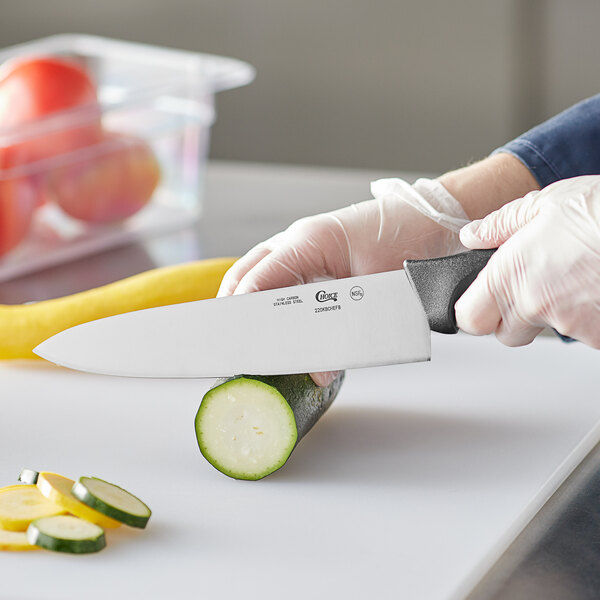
x=403, y=221
x=546, y=271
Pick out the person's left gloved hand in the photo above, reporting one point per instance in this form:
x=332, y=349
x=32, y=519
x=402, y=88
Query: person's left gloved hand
x=546, y=272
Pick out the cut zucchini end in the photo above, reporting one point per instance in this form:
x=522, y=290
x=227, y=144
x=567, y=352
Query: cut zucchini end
x=28, y=476
x=66, y=533
x=112, y=501
x=245, y=428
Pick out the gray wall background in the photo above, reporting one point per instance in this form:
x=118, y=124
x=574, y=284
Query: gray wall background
x=425, y=85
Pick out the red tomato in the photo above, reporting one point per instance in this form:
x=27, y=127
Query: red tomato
x=18, y=200
x=33, y=88
x=111, y=186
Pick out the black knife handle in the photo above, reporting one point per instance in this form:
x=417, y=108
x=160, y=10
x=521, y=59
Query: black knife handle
x=440, y=282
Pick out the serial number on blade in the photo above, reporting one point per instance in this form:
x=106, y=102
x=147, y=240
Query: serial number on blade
x=321, y=309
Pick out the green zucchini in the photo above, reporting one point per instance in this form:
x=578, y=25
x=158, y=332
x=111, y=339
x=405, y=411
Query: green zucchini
x=28, y=476
x=247, y=426
x=65, y=533
x=112, y=501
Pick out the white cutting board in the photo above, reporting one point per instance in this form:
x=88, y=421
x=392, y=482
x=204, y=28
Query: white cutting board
x=413, y=482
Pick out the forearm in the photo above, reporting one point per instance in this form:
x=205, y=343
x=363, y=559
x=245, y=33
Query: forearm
x=565, y=146
x=484, y=187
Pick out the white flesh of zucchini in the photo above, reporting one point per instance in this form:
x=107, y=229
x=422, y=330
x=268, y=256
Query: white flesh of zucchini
x=250, y=432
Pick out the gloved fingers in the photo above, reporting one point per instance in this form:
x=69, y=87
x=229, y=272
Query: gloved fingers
x=514, y=332
x=234, y=274
x=324, y=378
x=500, y=225
x=275, y=270
x=477, y=311
x=309, y=249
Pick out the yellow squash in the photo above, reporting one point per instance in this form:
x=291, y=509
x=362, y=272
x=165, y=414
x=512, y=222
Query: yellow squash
x=24, y=326
x=15, y=540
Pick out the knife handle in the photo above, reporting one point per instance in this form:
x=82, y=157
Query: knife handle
x=440, y=282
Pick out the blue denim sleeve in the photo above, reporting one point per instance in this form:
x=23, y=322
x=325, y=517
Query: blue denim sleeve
x=566, y=145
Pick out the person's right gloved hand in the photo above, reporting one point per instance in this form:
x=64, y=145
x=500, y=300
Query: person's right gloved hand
x=546, y=272
x=402, y=222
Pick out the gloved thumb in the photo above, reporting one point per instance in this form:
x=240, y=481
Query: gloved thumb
x=499, y=226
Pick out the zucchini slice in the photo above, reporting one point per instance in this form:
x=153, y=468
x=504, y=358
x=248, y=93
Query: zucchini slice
x=112, y=501
x=57, y=489
x=28, y=476
x=247, y=426
x=66, y=533
x=15, y=541
x=20, y=504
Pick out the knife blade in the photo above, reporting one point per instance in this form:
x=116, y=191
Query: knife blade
x=369, y=320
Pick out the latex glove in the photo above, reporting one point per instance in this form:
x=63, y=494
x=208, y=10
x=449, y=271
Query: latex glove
x=546, y=271
x=401, y=222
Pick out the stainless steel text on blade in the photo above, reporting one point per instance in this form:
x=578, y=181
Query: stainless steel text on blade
x=339, y=324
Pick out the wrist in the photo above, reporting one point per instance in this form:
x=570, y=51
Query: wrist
x=484, y=187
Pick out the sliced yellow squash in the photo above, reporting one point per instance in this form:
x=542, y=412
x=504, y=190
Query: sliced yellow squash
x=15, y=540
x=57, y=489
x=22, y=504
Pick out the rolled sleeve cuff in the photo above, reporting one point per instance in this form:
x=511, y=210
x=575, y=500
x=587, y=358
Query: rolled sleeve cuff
x=567, y=145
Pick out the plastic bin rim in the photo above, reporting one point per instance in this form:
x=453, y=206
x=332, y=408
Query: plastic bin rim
x=220, y=72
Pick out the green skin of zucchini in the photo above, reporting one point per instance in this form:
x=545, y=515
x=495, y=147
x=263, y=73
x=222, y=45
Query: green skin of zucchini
x=307, y=400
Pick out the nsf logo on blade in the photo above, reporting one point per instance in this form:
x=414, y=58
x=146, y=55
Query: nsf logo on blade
x=323, y=296
x=357, y=293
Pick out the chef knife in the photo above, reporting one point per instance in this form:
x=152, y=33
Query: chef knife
x=378, y=319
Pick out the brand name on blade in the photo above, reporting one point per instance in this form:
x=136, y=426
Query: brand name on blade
x=323, y=296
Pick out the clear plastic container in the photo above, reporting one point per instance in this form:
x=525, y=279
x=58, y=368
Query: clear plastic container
x=146, y=137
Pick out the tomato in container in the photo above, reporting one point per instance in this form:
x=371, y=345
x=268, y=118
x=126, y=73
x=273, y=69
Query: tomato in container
x=18, y=200
x=101, y=142
x=112, y=185
x=37, y=88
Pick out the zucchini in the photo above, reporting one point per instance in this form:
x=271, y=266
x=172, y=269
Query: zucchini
x=15, y=540
x=112, y=501
x=20, y=504
x=247, y=426
x=28, y=476
x=57, y=489
x=66, y=533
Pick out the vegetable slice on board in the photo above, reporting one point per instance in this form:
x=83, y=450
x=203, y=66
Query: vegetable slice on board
x=58, y=490
x=66, y=533
x=15, y=541
x=21, y=504
x=112, y=501
x=247, y=426
x=28, y=476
